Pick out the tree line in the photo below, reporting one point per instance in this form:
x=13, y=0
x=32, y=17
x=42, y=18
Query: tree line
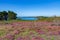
x=7, y=15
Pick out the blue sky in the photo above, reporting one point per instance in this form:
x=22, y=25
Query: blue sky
x=32, y=7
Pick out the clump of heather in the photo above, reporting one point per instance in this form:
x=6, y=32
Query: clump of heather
x=37, y=38
x=58, y=32
x=27, y=38
x=20, y=38
x=9, y=37
x=16, y=31
x=40, y=31
x=1, y=38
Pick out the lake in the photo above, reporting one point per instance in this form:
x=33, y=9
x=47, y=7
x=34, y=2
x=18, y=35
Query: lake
x=28, y=18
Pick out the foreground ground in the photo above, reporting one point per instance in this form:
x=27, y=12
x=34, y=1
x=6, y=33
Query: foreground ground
x=29, y=30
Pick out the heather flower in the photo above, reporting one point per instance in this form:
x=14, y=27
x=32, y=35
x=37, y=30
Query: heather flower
x=37, y=38
x=16, y=31
x=9, y=37
x=20, y=38
x=59, y=32
x=1, y=38
x=40, y=31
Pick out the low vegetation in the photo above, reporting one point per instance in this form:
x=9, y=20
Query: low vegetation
x=45, y=28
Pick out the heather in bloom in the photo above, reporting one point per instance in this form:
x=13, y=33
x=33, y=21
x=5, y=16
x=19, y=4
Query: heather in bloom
x=37, y=38
x=40, y=31
x=29, y=31
x=1, y=38
x=20, y=38
x=27, y=38
x=16, y=31
x=9, y=37
x=59, y=32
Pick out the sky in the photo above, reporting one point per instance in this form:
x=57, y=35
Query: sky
x=32, y=7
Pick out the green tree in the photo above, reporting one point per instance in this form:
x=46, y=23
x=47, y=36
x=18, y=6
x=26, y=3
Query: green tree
x=12, y=15
x=1, y=16
x=5, y=15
